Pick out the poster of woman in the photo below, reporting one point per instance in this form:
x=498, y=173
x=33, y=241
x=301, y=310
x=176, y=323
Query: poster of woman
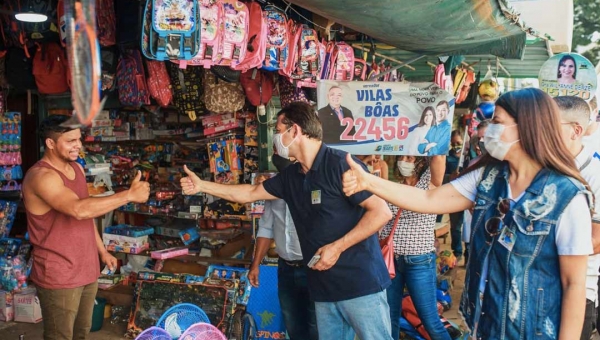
x=568, y=74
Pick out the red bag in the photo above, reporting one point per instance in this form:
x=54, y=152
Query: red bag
x=387, y=248
x=50, y=69
x=258, y=86
x=106, y=22
x=159, y=83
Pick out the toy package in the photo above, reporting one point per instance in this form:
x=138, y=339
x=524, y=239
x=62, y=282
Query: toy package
x=129, y=230
x=234, y=279
x=258, y=207
x=13, y=273
x=8, y=210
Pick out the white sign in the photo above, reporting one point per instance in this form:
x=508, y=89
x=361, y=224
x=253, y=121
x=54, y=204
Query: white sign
x=389, y=118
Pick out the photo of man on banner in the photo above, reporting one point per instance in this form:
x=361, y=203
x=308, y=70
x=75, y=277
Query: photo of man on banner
x=331, y=116
x=385, y=118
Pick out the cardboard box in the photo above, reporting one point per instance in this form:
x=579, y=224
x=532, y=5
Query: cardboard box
x=27, y=307
x=122, y=240
x=7, y=311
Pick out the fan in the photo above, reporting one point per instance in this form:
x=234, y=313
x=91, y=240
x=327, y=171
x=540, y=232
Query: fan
x=180, y=317
x=202, y=331
x=154, y=333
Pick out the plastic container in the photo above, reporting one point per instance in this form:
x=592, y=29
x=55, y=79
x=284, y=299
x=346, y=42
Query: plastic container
x=98, y=314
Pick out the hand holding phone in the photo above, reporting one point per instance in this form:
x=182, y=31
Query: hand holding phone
x=313, y=261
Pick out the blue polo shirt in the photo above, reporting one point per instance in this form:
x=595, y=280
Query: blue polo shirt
x=323, y=214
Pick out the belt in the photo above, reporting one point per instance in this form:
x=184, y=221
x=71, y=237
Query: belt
x=299, y=263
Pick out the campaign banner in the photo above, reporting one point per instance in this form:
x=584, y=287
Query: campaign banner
x=568, y=74
x=386, y=118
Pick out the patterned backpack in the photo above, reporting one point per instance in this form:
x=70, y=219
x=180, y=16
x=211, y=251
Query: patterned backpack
x=234, y=41
x=221, y=96
x=159, y=84
x=342, y=66
x=176, y=27
x=277, y=47
x=257, y=39
x=211, y=18
x=187, y=89
x=131, y=80
x=106, y=22
x=308, y=66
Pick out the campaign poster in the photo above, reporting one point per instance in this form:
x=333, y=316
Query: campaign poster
x=386, y=118
x=568, y=74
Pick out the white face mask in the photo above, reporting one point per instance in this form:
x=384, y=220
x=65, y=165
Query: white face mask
x=496, y=147
x=282, y=150
x=406, y=169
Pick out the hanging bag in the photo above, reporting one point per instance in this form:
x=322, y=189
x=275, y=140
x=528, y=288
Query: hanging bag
x=235, y=33
x=277, y=50
x=257, y=39
x=50, y=69
x=387, y=248
x=221, y=96
x=175, y=23
x=159, y=84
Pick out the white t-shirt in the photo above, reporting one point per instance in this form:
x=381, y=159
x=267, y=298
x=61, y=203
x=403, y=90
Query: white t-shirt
x=590, y=171
x=573, y=229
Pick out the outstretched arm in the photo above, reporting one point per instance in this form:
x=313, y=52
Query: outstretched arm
x=48, y=187
x=441, y=200
x=240, y=193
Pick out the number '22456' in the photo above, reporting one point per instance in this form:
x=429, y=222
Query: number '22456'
x=370, y=129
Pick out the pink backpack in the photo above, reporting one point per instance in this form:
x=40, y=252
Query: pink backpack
x=360, y=70
x=210, y=33
x=234, y=40
x=308, y=65
x=291, y=62
x=342, y=66
x=257, y=40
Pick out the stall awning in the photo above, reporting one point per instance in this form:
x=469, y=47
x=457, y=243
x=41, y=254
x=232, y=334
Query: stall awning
x=433, y=27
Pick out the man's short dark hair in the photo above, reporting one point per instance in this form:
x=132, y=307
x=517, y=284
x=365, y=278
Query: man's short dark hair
x=52, y=128
x=443, y=102
x=303, y=115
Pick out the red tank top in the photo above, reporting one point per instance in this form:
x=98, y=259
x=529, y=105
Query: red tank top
x=65, y=254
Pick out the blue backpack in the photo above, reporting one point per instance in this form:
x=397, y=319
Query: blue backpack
x=174, y=32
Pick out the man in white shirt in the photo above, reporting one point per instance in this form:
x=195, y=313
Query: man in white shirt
x=276, y=223
x=575, y=116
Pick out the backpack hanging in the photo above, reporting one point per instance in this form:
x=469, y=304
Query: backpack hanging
x=159, y=84
x=50, y=69
x=289, y=93
x=175, y=24
x=106, y=22
x=277, y=49
x=234, y=41
x=308, y=65
x=257, y=39
x=360, y=70
x=342, y=66
x=187, y=89
x=210, y=34
x=258, y=86
x=131, y=80
x=221, y=96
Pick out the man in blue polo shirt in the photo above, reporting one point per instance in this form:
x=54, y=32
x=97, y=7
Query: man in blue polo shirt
x=348, y=282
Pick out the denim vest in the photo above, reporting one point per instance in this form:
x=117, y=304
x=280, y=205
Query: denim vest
x=523, y=292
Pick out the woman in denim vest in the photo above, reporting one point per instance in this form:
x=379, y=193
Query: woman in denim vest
x=531, y=229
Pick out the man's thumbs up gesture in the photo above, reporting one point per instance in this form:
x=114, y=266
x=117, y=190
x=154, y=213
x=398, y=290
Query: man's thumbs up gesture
x=139, y=191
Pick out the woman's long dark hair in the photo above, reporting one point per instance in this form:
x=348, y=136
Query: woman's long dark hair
x=433, y=120
x=538, y=122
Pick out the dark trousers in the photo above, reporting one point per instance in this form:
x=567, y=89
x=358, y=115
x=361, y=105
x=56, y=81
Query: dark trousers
x=297, y=309
x=589, y=322
x=456, y=224
x=67, y=313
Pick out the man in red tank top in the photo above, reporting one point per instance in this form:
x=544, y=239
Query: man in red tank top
x=66, y=242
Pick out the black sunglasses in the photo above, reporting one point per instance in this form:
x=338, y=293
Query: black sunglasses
x=492, y=226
